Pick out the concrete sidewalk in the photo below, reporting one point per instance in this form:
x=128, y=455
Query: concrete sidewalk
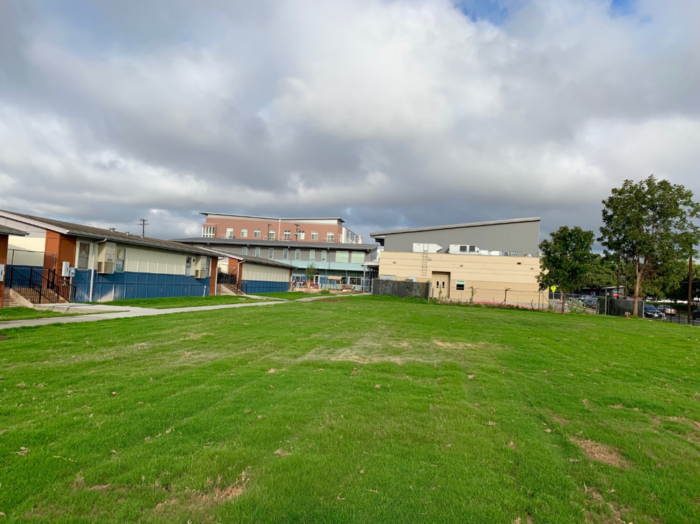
x=113, y=312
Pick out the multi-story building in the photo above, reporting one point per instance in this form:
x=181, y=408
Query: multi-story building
x=310, y=230
x=490, y=262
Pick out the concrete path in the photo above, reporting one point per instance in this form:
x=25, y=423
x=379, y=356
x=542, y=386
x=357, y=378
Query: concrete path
x=94, y=312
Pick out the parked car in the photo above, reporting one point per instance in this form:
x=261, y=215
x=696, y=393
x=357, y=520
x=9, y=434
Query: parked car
x=668, y=310
x=651, y=312
x=696, y=314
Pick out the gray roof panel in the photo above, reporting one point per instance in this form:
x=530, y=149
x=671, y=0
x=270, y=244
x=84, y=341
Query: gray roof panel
x=69, y=228
x=453, y=226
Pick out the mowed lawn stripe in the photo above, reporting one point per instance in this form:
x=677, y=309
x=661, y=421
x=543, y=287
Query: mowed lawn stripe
x=275, y=416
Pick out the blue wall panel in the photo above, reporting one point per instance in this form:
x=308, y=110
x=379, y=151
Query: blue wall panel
x=260, y=286
x=131, y=285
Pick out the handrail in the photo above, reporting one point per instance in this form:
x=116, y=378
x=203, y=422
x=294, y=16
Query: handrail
x=38, y=285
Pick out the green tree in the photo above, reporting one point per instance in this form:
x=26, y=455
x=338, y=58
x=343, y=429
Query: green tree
x=566, y=260
x=603, y=272
x=649, y=224
x=311, y=272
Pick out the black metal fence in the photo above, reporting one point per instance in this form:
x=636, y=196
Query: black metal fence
x=618, y=307
x=40, y=286
x=401, y=289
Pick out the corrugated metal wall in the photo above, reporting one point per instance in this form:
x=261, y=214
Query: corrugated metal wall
x=523, y=237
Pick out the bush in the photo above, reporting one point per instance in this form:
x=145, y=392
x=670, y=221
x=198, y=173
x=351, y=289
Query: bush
x=324, y=292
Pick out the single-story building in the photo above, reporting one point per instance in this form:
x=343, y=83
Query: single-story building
x=251, y=274
x=5, y=232
x=90, y=264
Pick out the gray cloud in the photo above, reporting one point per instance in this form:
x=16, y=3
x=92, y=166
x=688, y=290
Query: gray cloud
x=390, y=114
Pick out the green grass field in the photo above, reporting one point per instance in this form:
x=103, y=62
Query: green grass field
x=23, y=313
x=361, y=410
x=176, y=302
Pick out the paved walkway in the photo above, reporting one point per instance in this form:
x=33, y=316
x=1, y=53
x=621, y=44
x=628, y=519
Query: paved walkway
x=112, y=312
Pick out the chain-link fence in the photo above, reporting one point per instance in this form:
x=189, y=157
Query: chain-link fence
x=401, y=289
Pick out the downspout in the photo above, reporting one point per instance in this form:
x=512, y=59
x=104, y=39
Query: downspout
x=279, y=229
x=92, y=268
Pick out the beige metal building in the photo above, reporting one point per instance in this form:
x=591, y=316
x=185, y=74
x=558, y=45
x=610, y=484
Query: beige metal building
x=468, y=272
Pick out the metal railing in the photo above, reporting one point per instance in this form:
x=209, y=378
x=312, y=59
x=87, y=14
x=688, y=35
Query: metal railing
x=40, y=286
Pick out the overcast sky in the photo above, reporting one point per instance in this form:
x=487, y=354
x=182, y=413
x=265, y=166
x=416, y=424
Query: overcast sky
x=389, y=113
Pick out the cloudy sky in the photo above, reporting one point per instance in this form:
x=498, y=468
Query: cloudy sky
x=390, y=113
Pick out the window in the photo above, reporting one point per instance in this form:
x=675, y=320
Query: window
x=285, y=254
x=83, y=255
x=297, y=254
x=314, y=235
x=357, y=257
x=244, y=233
x=460, y=285
x=208, y=231
x=287, y=234
x=312, y=255
x=270, y=234
x=257, y=252
x=324, y=256
x=330, y=237
x=229, y=232
x=271, y=253
x=121, y=256
x=355, y=281
x=301, y=235
x=256, y=233
x=188, y=266
x=341, y=256
x=244, y=250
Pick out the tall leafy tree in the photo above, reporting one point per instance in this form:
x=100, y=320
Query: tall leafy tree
x=649, y=224
x=566, y=260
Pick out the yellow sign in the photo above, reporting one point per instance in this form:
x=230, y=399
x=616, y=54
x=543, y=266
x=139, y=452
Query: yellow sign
x=553, y=288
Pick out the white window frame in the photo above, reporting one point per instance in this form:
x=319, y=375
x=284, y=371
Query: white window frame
x=285, y=254
x=287, y=234
x=85, y=257
x=330, y=237
x=257, y=252
x=301, y=235
x=312, y=255
x=244, y=233
x=270, y=234
x=229, y=232
x=257, y=233
x=271, y=253
x=324, y=255
x=297, y=254
x=314, y=235
x=208, y=231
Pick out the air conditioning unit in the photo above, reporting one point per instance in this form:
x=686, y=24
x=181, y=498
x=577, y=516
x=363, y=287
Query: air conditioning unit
x=201, y=267
x=426, y=248
x=106, y=257
x=463, y=249
x=496, y=253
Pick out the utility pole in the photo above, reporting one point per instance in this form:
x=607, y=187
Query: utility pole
x=143, y=223
x=690, y=290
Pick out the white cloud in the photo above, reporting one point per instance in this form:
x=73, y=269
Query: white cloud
x=405, y=110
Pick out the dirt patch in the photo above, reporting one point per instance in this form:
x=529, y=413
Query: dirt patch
x=3, y=337
x=350, y=356
x=451, y=345
x=601, y=453
x=197, y=500
x=617, y=406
